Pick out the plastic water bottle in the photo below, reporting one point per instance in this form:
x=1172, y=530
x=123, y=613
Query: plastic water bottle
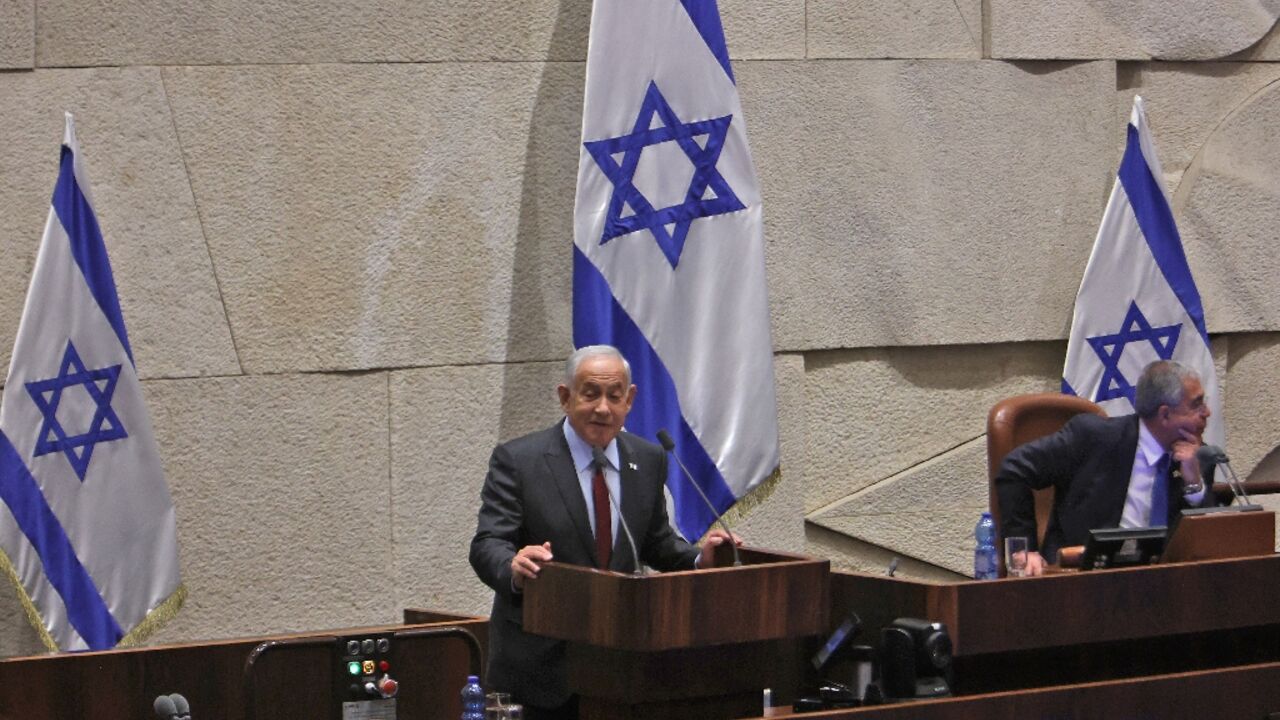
x=472, y=699
x=986, y=563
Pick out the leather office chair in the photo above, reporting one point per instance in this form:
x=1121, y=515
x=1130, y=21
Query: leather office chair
x=1019, y=419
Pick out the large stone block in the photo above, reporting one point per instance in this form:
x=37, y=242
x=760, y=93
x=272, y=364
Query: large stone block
x=386, y=215
x=921, y=203
x=875, y=414
x=177, y=32
x=17, y=34
x=926, y=512
x=282, y=489
x=850, y=554
x=1125, y=29
x=1250, y=407
x=445, y=422
x=1228, y=207
x=1185, y=102
x=778, y=522
x=764, y=28
x=143, y=202
x=895, y=29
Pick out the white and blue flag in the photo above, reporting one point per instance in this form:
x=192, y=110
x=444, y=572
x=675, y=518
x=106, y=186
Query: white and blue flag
x=668, y=261
x=87, y=528
x=1138, y=302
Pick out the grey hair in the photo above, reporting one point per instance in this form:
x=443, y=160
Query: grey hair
x=590, y=351
x=1161, y=384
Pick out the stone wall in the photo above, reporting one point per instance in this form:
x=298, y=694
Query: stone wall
x=341, y=234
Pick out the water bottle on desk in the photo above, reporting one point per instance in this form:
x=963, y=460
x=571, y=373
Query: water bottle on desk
x=472, y=699
x=986, y=563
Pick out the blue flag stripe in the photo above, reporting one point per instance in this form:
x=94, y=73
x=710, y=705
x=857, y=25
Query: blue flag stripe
x=86, y=610
x=1155, y=219
x=598, y=318
x=90, y=251
x=706, y=18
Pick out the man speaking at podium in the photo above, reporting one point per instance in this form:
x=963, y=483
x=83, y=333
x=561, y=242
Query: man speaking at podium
x=545, y=499
x=1130, y=471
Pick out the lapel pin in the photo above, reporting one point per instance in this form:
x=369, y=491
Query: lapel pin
x=632, y=466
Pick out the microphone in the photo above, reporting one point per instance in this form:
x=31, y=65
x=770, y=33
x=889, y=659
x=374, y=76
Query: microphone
x=165, y=707
x=181, y=706
x=1214, y=455
x=670, y=446
x=602, y=462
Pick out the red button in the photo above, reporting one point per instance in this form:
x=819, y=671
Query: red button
x=384, y=666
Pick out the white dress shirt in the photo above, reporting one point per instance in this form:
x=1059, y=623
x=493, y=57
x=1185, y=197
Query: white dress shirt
x=1137, y=504
x=584, y=464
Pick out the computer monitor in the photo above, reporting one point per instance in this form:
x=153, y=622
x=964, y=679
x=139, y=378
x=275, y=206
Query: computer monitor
x=1123, y=547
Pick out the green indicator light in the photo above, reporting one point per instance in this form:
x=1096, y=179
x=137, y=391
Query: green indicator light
x=353, y=668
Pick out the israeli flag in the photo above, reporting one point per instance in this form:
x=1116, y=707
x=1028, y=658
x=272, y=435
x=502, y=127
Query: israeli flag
x=668, y=261
x=86, y=524
x=1138, y=302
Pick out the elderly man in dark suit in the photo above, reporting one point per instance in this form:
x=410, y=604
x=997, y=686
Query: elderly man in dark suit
x=1132, y=471
x=546, y=499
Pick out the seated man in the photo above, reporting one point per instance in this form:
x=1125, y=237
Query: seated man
x=1131, y=471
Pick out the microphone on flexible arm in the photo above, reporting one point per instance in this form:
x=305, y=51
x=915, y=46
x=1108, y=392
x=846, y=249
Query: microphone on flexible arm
x=1214, y=455
x=172, y=707
x=669, y=445
x=602, y=462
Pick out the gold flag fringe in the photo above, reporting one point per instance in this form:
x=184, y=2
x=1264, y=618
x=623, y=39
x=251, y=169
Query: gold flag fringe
x=158, y=616
x=749, y=502
x=33, y=615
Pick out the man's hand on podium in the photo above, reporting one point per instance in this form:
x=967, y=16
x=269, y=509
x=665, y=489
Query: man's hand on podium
x=706, y=558
x=526, y=563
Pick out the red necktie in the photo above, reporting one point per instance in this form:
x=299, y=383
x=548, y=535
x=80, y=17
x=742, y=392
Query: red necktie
x=604, y=529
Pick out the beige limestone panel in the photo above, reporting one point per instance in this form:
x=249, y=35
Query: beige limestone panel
x=852, y=555
x=1266, y=49
x=282, y=490
x=778, y=522
x=926, y=512
x=1127, y=29
x=1185, y=103
x=228, y=32
x=873, y=414
x=895, y=29
x=387, y=215
x=1252, y=406
x=445, y=422
x=143, y=203
x=177, y=32
x=755, y=29
x=928, y=202
x=17, y=34
x=1228, y=207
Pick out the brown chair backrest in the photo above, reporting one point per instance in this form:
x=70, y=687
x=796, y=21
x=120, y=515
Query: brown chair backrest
x=1022, y=418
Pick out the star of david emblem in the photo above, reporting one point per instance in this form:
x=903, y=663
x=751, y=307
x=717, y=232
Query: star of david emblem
x=708, y=193
x=104, y=426
x=1109, y=348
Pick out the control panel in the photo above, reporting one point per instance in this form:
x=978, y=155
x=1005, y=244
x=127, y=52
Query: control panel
x=363, y=683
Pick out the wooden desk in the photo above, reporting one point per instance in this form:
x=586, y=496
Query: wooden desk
x=1084, y=627
x=291, y=683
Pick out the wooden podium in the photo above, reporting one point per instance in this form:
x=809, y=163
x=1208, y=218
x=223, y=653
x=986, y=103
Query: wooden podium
x=694, y=644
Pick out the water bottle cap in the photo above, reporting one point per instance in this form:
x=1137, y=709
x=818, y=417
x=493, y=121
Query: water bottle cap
x=473, y=678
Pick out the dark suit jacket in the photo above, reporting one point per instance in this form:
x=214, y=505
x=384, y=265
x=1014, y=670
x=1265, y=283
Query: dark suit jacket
x=531, y=495
x=1088, y=462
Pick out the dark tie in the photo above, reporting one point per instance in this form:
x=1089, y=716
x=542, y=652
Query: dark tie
x=604, y=529
x=1160, y=493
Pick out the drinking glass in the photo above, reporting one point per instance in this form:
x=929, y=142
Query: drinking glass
x=1015, y=556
